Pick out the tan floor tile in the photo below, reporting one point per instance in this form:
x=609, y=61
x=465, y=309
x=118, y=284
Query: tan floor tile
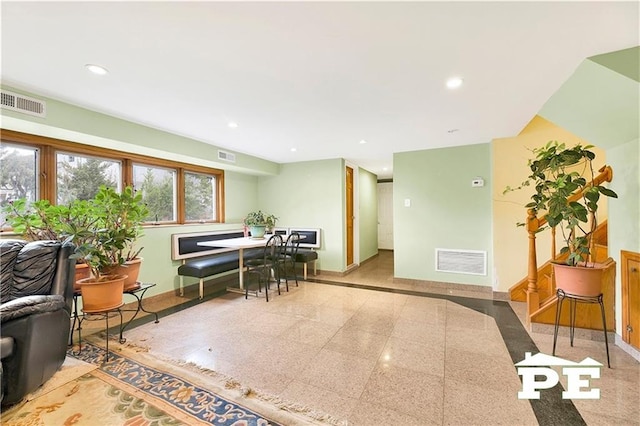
x=344, y=374
x=468, y=319
x=284, y=357
x=371, y=322
x=412, y=355
x=348, y=303
x=431, y=334
x=369, y=414
x=425, y=314
x=328, y=314
x=410, y=392
x=469, y=404
x=481, y=341
x=337, y=405
x=352, y=341
x=313, y=333
x=479, y=369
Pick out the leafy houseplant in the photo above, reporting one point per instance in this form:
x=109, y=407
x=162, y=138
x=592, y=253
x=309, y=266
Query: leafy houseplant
x=43, y=221
x=118, y=224
x=258, y=222
x=73, y=222
x=557, y=173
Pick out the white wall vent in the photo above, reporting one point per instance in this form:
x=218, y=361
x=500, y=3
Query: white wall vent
x=472, y=262
x=226, y=156
x=15, y=102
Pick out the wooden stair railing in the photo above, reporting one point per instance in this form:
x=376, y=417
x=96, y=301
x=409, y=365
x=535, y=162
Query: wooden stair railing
x=546, y=282
x=534, y=298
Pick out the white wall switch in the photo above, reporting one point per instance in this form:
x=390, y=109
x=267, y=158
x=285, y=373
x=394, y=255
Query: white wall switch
x=477, y=182
x=407, y=202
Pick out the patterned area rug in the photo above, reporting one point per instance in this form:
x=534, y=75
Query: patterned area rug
x=134, y=388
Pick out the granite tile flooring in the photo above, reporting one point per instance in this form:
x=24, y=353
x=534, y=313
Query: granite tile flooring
x=374, y=353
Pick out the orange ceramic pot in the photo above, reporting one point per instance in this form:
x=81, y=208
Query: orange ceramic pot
x=82, y=271
x=100, y=296
x=579, y=280
x=131, y=268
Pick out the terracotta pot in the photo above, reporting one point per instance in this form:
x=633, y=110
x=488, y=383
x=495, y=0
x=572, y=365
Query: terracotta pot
x=131, y=268
x=579, y=280
x=98, y=296
x=82, y=271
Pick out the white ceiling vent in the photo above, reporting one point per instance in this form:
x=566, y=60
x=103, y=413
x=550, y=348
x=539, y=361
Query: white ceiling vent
x=461, y=261
x=24, y=104
x=226, y=156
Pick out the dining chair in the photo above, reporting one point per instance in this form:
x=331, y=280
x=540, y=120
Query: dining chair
x=263, y=267
x=288, y=259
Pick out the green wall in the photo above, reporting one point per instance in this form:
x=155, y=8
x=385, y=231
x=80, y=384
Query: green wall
x=241, y=196
x=309, y=195
x=75, y=124
x=445, y=212
x=598, y=104
x=368, y=214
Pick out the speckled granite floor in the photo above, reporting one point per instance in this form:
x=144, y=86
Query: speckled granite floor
x=374, y=352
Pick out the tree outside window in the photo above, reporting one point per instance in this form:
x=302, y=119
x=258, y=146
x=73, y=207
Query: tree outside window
x=158, y=186
x=18, y=175
x=200, y=199
x=79, y=177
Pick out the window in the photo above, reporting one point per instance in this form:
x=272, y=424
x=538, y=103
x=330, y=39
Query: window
x=158, y=186
x=199, y=197
x=18, y=174
x=38, y=167
x=80, y=177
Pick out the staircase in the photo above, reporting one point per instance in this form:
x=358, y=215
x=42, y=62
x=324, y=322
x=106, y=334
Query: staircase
x=538, y=288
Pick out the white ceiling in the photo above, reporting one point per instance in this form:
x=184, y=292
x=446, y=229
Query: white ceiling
x=318, y=77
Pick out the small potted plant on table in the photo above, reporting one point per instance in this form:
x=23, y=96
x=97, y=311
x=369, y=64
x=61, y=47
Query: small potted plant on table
x=258, y=222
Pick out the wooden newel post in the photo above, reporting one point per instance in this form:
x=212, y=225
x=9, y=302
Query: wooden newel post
x=533, y=298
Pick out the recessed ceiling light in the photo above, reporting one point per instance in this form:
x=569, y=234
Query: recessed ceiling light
x=232, y=124
x=362, y=141
x=384, y=169
x=454, y=82
x=293, y=150
x=97, y=69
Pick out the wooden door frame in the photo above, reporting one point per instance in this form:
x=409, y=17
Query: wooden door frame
x=356, y=218
x=625, y=256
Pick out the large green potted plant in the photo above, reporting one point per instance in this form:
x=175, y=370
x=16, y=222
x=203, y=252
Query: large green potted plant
x=557, y=173
x=121, y=218
x=258, y=222
x=118, y=225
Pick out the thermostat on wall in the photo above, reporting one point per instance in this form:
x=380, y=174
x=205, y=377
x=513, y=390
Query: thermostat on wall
x=476, y=182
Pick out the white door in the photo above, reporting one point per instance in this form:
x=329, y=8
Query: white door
x=385, y=215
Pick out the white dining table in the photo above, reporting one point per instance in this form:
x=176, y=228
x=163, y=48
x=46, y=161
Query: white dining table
x=240, y=244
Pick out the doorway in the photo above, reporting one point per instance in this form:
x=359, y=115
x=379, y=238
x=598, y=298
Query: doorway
x=385, y=215
x=349, y=214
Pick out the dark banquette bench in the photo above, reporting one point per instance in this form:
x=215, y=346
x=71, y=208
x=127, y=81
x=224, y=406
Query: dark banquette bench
x=202, y=262
x=308, y=244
